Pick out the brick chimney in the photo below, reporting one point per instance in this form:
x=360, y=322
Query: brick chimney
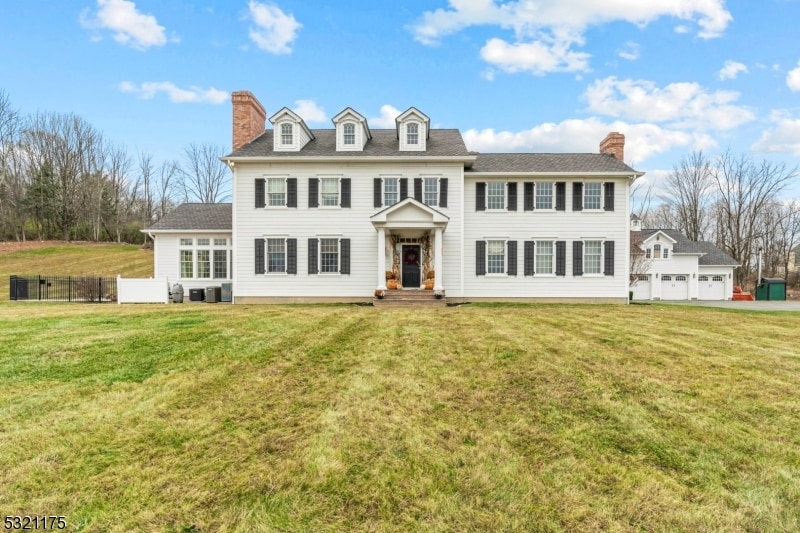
x=614, y=144
x=249, y=118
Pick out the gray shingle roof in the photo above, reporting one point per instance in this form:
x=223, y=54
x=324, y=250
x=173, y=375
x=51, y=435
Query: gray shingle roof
x=197, y=217
x=441, y=143
x=711, y=255
x=577, y=163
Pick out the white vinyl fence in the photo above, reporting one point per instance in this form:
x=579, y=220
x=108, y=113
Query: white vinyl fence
x=142, y=291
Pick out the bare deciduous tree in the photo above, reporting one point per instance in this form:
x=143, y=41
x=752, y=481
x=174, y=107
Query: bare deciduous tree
x=205, y=177
x=689, y=192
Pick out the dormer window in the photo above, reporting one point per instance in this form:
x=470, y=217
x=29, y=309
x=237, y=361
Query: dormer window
x=657, y=251
x=349, y=134
x=412, y=133
x=286, y=134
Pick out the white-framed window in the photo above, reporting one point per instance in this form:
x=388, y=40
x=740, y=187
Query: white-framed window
x=276, y=255
x=544, y=196
x=648, y=253
x=287, y=136
x=666, y=253
x=680, y=278
x=495, y=195
x=592, y=195
x=656, y=251
x=592, y=257
x=204, y=258
x=545, y=251
x=495, y=257
x=329, y=192
x=717, y=278
x=430, y=191
x=329, y=255
x=349, y=133
x=412, y=133
x=391, y=191
x=276, y=192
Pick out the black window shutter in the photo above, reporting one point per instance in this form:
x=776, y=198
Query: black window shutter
x=291, y=192
x=608, y=190
x=512, y=196
x=577, y=258
x=480, y=258
x=345, y=198
x=312, y=256
x=403, y=188
x=561, y=258
x=291, y=256
x=313, y=192
x=528, y=261
x=377, y=192
x=577, y=196
x=442, y=192
x=344, y=254
x=418, y=189
x=528, y=196
x=609, y=258
x=259, y=256
x=480, y=196
x=260, y=200
x=561, y=196
x=511, y=267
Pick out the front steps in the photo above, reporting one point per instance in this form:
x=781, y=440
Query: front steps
x=409, y=298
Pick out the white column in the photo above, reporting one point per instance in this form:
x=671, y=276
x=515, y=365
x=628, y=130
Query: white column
x=437, y=260
x=382, y=259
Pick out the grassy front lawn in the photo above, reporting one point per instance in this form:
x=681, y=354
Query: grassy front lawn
x=346, y=418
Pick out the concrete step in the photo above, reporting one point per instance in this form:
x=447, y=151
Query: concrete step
x=404, y=298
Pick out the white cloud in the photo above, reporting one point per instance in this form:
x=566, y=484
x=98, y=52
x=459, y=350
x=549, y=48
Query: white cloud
x=683, y=105
x=148, y=90
x=545, y=31
x=783, y=138
x=731, y=69
x=630, y=51
x=309, y=111
x=275, y=31
x=576, y=135
x=129, y=26
x=793, y=78
x=387, y=118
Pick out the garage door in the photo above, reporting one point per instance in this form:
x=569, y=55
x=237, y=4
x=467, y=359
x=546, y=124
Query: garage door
x=711, y=288
x=641, y=290
x=674, y=287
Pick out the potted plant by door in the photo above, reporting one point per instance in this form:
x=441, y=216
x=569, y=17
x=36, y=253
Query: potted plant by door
x=391, y=282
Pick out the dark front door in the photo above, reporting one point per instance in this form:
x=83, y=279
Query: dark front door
x=411, y=266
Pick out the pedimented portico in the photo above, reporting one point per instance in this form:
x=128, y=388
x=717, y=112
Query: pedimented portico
x=410, y=240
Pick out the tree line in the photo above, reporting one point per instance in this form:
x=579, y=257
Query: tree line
x=61, y=178
x=735, y=201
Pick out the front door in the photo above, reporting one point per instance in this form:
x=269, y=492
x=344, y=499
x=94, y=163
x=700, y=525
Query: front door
x=411, y=266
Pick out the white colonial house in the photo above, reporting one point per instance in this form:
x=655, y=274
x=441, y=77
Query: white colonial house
x=323, y=214
x=674, y=268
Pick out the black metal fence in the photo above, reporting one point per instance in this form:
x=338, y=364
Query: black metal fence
x=63, y=288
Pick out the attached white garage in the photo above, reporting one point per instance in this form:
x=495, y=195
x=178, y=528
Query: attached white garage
x=711, y=288
x=675, y=287
x=642, y=288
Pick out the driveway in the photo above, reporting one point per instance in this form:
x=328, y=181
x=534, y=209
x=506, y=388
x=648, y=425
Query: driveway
x=760, y=305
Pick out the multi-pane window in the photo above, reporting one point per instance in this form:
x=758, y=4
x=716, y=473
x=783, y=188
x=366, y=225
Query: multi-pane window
x=544, y=196
x=717, y=278
x=666, y=253
x=544, y=257
x=329, y=191
x=495, y=195
x=592, y=257
x=286, y=134
x=203, y=263
x=349, y=134
x=592, y=195
x=329, y=255
x=495, y=257
x=276, y=192
x=657, y=251
x=187, y=242
x=391, y=192
x=187, y=263
x=203, y=242
x=276, y=255
x=430, y=191
x=412, y=133
x=220, y=262
x=220, y=242
x=648, y=254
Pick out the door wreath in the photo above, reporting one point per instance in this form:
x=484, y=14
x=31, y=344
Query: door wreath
x=411, y=257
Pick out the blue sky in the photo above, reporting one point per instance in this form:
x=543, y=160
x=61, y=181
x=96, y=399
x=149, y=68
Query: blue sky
x=528, y=75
